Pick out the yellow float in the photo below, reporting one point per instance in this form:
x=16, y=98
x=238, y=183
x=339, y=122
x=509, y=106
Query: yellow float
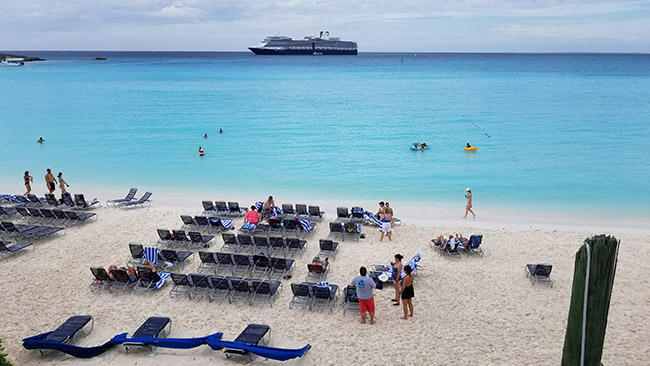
x=471, y=148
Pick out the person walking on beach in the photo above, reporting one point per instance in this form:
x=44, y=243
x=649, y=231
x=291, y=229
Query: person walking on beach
x=407, y=293
x=62, y=185
x=468, y=204
x=364, y=285
x=28, y=179
x=385, y=224
x=50, y=181
x=396, y=272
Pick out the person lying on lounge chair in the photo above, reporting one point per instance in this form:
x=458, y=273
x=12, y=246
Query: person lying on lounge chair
x=461, y=240
x=131, y=270
x=318, y=261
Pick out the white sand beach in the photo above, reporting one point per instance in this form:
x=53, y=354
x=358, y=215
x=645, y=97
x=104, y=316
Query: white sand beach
x=468, y=311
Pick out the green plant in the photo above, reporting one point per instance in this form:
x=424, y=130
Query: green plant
x=3, y=360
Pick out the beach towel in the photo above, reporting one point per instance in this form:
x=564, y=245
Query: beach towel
x=163, y=277
x=259, y=205
x=150, y=254
x=413, y=263
x=226, y=223
x=323, y=284
x=248, y=227
x=306, y=225
x=371, y=217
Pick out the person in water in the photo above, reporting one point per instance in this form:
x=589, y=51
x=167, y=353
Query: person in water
x=205, y=136
x=221, y=130
x=468, y=145
x=468, y=204
x=407, y=293
x=28, y=179
x=40, y=140
x=201, y=152
x=424, y=146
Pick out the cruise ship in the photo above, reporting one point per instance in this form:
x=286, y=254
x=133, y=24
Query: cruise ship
x=310, y=45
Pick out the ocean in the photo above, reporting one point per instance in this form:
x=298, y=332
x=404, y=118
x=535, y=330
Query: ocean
x=556, y=133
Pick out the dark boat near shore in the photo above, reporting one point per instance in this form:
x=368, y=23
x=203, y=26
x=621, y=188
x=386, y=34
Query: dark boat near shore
x=99, y=59
x=310, y=45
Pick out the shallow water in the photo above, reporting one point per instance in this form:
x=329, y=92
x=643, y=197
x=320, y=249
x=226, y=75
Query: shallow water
x=557, y=132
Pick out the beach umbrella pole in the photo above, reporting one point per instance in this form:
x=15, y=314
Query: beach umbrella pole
x=593, y=279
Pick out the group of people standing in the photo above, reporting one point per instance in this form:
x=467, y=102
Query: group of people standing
x=385, y=215
x=50, y=182
x=404, y=292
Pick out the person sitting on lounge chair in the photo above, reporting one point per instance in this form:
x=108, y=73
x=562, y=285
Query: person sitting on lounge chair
x=267, y=207
x=131, y=271
x=252, y=216
x=318, y=261
x=461, y=240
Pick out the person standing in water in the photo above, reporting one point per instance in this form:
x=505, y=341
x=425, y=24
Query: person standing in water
x=50, y=181
x=468, y=204
x=40, y=140
x=205, y=136
x=221, y=130
x=201, y=152
x=28, y=180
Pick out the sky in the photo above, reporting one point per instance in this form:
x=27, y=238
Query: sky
x=376, y=25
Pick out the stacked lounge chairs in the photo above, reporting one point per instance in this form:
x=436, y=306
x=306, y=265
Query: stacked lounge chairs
x=53, y=216
x=9, y=229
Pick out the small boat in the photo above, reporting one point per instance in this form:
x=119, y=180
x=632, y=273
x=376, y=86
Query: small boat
x=99, y=59
x=14, y=61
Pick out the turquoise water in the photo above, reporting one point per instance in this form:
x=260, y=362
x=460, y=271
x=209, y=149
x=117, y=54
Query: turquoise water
x=564, y=132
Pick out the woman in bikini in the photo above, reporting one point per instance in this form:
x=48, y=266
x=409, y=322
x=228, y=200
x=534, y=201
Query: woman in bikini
x=62, y=184
x=385, y=224
x=395, y=275
x=468, y=205
x=407, y=293
x=28, y=180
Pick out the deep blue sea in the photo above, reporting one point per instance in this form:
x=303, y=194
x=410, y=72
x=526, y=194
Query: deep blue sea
x=559, y=132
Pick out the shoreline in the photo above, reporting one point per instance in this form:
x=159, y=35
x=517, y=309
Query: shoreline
x=411, y=213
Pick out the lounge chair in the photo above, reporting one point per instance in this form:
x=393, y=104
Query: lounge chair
x=342, y=213
x=336, y=229
x=240, y=289
x=224, y=262
x=49, y=215
x=287, y=210
x=81, y=203
x=474, y=245
x=208, y=262
x=51, y=200
x=324, y=296
x=301, y=211
x=277, y=246
x=143, y=201
x=234, y=209
x=281, y=267
x=357, y=215
x=80, y=216
x=350, y=299
x=203, y=223
x=261, y=229
x=540, y=272
x=352, y=230
x=154, y=327
x=255, y=334
x=296, y=246
x=180, y=239
x=67, y=200
x=247, y=227
x=68, y=332
x=200, y=286
x=221, y=208
x=7, y=250
x=216, y=225
x=208, y=208
x=302, y=294
x=307, y=227
x=291, y=226
x=261, y=265
x=261, y=244
x=230, y=242
x=317, y=272
x=129, y=197
x=199, y=241
x=147, y=279
x=21, y=199
x=241, y=264
x=182, y=285
x=35, y=200
x=246, y=243
x=121, y=280
x=189, y=223
x=220, y=288
x=137, y=254
x=315, y=213
x=265, y=291
x=101, y=280
x=25, y=216
x=7, y=211
x=328, y=248
x=275, y=226
x=172, y=259
x=165, y=237
x=371, y=219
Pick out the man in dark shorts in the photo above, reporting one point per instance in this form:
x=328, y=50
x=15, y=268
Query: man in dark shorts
x=50, y=181
x=364, y=285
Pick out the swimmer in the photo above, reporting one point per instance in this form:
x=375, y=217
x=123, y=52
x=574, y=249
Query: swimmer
x=221, y=130
x=205, y=136
x=201, y=152
x=468, y=145
x=40, y=140
x=424, y=145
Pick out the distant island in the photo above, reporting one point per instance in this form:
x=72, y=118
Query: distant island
x=3, y=56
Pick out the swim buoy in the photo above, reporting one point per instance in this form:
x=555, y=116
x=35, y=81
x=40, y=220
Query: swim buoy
x=471, y=148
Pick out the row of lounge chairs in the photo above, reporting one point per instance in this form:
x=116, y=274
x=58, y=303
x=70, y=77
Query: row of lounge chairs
x=166, y=259
x=7, y=250
x=283, y=227
x=9, y=229
x=344, y=230
x=235, y=289
x=220, y=208
x=181, y=239
x=314, y=295
x=53, y=216
x=243, y=264
x=457, y=247
x=268, y=245
x=30, y=200
x=302, y=211
x=130, y=201
x=253, y=340
x=147, y=279
x=205, y=224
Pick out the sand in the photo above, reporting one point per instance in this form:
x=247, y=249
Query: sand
x=478, y=311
